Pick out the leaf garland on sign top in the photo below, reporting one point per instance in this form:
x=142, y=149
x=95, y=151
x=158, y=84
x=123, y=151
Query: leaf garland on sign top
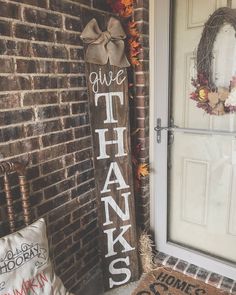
x=125, y=9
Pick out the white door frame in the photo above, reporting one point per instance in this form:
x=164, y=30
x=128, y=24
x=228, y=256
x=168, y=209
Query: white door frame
x=159, y=79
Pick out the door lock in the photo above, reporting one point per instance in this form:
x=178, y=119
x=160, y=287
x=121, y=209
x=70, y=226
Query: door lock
x=174, y=128
x=169, y=129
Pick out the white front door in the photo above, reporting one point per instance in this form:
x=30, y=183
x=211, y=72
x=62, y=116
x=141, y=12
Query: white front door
x=195, y=176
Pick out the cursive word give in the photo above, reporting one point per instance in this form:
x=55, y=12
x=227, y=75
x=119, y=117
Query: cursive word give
x=99, y=78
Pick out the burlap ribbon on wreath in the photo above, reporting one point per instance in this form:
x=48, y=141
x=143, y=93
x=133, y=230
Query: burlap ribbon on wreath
x=104, y=46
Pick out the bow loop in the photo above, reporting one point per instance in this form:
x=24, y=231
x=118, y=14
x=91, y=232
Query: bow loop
x=107, y=45
x=115, y=29
x=91, y=32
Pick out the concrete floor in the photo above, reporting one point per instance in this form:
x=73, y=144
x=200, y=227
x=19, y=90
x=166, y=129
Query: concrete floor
x=95, y=287
x=125, y=290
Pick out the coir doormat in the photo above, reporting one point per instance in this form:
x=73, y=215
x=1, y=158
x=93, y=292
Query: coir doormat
x=165, y=281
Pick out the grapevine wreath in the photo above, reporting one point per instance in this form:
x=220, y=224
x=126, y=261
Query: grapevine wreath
x=213, y=99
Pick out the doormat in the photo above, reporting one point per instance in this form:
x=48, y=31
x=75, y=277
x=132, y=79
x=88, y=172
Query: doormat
x=167, y=281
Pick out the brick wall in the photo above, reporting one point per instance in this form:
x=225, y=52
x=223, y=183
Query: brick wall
x=141, y=105
x=44, y=118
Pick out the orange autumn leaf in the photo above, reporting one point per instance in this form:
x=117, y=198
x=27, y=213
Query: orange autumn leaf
x=132, y=29
x=134, y=61
x=133, y=43
x=142, y=170
x=127, y=2
x=134, y=52
x=127, y=11
x=132, y=25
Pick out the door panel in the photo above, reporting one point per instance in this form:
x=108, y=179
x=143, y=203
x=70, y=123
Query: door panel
x=202, y=194
x=232, y=211
x=202, y=177
x=196, y=19
x=194, y=202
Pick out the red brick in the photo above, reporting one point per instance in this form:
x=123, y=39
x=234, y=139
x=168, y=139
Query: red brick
x=103, y=5
x=48, y=180
x=5, y=28
x=32, y=66
x=11, y=133
x=56, y=138
x=141, y=14
x=73, y=24
x=33, y=33
x=84, y=209
x=42, y=127
x=49, y=153
x=71, y=67
x=78, y=81
x=58, y=188
x=82, y=132
x=83, y=155
x=38, y=3
x=11, y=83
x=47, y=112
x=6, y=65
x=74, y=96
x=57, y=225
x=76, y=53
x=76, y=121
x=9, y=101
x=12, y=117
x=42, y=18
x=46, y=82
x=9, y=10
x=68, y=38
x=52, y=166
x=142, y=4
x=17, y=48
x=65, y=7
x=79, y=144
x=19, y=147
x=79, y=168
x=40, y=98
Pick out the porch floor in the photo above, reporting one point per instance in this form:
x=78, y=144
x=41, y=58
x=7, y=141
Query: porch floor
x=124, y=290
x=162, y=259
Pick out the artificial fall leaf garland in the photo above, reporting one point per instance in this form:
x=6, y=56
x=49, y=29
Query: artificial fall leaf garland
x=141, y=169
x=125, y=8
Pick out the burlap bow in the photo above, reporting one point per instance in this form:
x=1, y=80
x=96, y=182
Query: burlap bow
x=105, y=45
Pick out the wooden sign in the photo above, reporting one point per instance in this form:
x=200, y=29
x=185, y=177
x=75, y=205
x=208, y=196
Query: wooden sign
x=109, y=110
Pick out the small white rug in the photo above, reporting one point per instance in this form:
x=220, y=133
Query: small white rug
x=124, y=290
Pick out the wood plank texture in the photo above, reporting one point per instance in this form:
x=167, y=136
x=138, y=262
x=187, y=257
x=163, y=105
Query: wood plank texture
x=113, y=169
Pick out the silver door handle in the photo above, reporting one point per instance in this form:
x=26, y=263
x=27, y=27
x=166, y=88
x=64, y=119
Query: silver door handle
x=174, y=128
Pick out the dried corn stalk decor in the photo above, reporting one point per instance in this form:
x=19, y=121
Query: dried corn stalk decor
x=146, y=253
x=214, y=100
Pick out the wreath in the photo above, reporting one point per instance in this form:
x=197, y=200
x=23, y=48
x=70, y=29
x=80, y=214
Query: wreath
x=214, y=100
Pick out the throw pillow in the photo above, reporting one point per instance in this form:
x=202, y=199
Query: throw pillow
x=25, y=267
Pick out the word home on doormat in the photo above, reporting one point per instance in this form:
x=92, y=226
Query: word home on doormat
x=165, y=281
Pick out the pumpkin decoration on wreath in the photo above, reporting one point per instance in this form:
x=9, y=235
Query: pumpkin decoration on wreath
x=213, y=99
